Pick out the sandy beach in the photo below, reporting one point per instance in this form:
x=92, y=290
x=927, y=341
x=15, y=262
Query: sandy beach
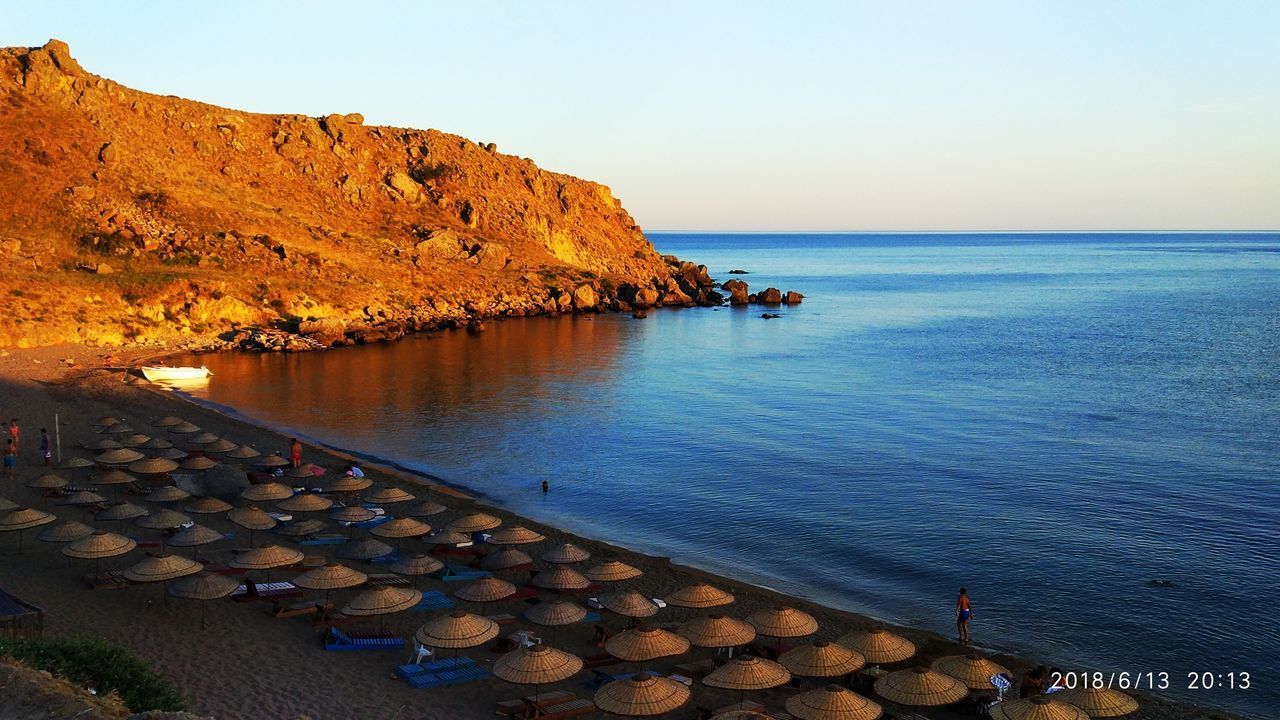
x=246, y=663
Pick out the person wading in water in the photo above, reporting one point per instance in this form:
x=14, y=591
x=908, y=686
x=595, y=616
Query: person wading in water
x=964, y=613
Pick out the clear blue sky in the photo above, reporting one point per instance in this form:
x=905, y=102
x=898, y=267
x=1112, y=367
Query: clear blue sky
x=759, y=116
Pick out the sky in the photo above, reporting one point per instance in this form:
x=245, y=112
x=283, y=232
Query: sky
x=746, y=116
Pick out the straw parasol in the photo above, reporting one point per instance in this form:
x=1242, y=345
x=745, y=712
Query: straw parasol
x=66, y=532
x=99, y=545
x=641, y=696
x=332, y=576
x=383, y=600
x=267, y=492
x=83, y=497
x=629, y=604
x=1040, y=707
x=167, y=421
x=300, y=528
x=106, y=421
x=446, y=537
x=112, y=477
x=748, y=672
x=194, y=536
x=167, y=494
x=47, y=481
x=364, y=550
x=344, y=483
x=920, y=687
x=1098, y=702
x=822, y=659
x=75, y=463
x=7, y=504
x=120, y=428
x=121, y=511
x=162, y=568
x=244, y=452
x=272, y=461
x=204, y=586
x=555, y=613
x=401, y=528
x=306, y=471
x=172, y=454
x=156, y=443
x=971, y=669
x=699, y=596
x=305, y=502
x=251, y=518
x=457, y=630
x=22, y=519
x=199, y=462
x=208, y=506
x=475, y=522
x=134, y=440
x=152, y=466
x=416, y=565
x=832, y=702
x=486, y=590
x=717, y=631
x=611, y=571
x=565, y=553
x=102, y=444
x=641, y=644
x=221, y=445
x=515, y=535
x=560, y=578
x=426, y=508
x=203, y=438
x=352, y=514
x=265, y=557
x=879, y=646
x=389, y=496
x=536, y=665
x=119, y=456
x=508, y=558
x=783, y=622
x=163, y=519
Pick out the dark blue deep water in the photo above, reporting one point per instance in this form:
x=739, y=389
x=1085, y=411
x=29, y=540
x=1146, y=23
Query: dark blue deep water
x=1054, y=421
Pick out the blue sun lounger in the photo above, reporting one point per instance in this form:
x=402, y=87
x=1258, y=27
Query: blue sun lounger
x=324, y=540
x=339, y=640
x=453, y=573
x=433, y=666
x=433, y=600
x=448, y=677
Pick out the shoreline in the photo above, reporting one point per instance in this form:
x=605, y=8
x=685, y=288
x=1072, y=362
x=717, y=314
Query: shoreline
x=79, y=385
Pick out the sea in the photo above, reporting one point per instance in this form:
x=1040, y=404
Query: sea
x=1081, y=429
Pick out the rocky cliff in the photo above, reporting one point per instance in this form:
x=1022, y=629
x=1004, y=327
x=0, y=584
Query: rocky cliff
x=127, y=217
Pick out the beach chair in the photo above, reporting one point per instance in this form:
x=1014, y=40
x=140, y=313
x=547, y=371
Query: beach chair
x=432, y=600
x=385, y=579
x=502, y=618
x=110, y=580
x=599, y=660
x=456, y=573
x=411, y=670
x=387, y=559
x=697, y=669
x=306, y=607
x=266, y=591
x=571, y=707
x=337, y=640
x=329, y=539
x=600, y=678
x=591, y=617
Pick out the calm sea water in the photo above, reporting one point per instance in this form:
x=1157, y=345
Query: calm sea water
x=1053, y=421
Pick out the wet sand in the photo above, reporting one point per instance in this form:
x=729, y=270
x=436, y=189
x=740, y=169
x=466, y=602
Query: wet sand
x=246, y=663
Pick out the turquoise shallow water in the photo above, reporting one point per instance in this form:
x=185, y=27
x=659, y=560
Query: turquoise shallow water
x=1054, y=421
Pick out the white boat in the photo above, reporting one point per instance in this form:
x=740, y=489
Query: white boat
x=158, y=373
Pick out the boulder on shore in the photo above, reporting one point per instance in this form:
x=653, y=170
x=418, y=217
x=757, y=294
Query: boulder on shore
x=792, y=298
x=769, y=296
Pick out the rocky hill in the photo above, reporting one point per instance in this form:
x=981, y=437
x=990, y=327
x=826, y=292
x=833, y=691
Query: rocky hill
x=128, y=217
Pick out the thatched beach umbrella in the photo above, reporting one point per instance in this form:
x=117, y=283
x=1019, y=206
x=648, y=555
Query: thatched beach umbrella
x=1040, y=707
x=266, y=557
x=167, y=421
x=783, y=622
x=66, y=532
x=120, y=428
x=305, y=471
x=134, y=440
x=555, y=613
x=629, y=604
x=699, y=597
x=560, y=578
x=305, y=502
x=415, y=566
x=152, y=466
x=167, y=494
x=565, y=554
x=198, y=463
x=717, y=631
x=506, y=559
x=102, y=444
x=401, y=528
x=346, y=484
x=920, y=687
x=162, y=568
x=195, y=536
x=536, y=665
x=382, y=601
x=642, y=644
x=120, y=456
x=75, y=463
x=475, y=522
x=251, y=519
x=204, y=586
x=172, y=454
x=457, y=630
x=352, y=514
x=202, y=438
x=485, y=590
x=83, y=497
x=832, y=702
x=162, y=519
x=330, y=577
x=219, y=446
x=389, y=496
x=267, y=492
x=300, y=528
x=748, y=672
x=156, y=443
x=612, y=571
x=20, y=519
x=99, y=545
x=364, y=550
x=822, y=660
x=515, y=535
x=120, y=512
x=244, y=452
x=6, y=504
x=106, y=421
x=446, y=537
x=271, y=461
x=971, y=669
x=208, y=506
x=1098, y=702
x=426, y=508
x=47, y=481
x=879, y=646
x=642, y=696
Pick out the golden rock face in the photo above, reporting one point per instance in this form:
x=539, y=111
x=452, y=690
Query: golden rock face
x=129, y=217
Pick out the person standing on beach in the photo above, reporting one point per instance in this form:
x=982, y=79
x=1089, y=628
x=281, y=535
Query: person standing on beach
x=10, y=457
x=14, y=432
x=964, y=613
x=46, y=448
x=295, y=452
